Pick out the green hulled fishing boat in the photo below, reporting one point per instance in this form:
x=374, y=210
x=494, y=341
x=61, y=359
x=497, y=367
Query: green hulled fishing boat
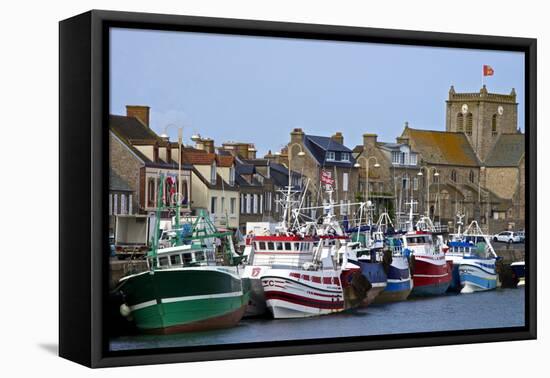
x=193, y=285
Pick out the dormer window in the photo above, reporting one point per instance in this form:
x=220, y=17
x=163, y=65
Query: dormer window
x=213, y=173
x=345, y=156
x=331, y=155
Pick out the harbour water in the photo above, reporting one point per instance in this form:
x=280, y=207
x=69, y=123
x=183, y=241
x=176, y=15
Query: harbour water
x=493, y=309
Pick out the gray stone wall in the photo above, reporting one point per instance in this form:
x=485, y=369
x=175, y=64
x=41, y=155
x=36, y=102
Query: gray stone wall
x=126, y=165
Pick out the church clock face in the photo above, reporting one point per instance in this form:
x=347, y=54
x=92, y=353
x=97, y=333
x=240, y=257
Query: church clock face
x=464, y=108
x=500, y=110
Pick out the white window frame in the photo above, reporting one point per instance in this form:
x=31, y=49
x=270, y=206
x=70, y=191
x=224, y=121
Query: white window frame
x=242, y=203
x=130, y=204
x=123, y=203
x=261, y=203
x=396, y=157
x=331, y=156
x=248, y=203
x=345, y=181
x=115, y=203
x=255, y=203
x=345, y=156
x=232, y=203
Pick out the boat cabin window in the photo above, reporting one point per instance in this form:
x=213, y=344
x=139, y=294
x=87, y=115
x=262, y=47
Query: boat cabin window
x=187, y=258
x=261, y=246
x=279, y=246
x=175, y=260
x=163, y=261
x=288, y=246
x=422, y=239
x=199, y=256
x=270, y=246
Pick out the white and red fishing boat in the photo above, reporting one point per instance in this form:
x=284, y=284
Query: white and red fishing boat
x=332, y=282
x=321, y=290
x=431, y=273
x=284, y=247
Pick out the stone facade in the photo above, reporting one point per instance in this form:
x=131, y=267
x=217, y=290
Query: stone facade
x=482, y=116
x=314, y=161
x=126, y=165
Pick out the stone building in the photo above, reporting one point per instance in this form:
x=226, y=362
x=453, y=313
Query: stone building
x=121, y=199
x=479, y=159
x=323, y=154
x=138, y=156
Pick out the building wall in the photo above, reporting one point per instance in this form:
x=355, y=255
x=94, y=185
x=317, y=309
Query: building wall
x=126, y=165
x=503, y=181
x=482, y=106
x=310, y=168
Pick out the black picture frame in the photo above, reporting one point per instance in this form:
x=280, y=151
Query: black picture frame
x=83, y=125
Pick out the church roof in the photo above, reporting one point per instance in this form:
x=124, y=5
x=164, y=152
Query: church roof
x=442, y=147
x=507, y=151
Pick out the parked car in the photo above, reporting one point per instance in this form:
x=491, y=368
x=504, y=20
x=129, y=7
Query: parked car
x=521, y=235
x=507, y=237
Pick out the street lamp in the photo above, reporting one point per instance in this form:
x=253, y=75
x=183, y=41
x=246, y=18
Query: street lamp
x=357, y=165
x=436, y=174
x=300, y=154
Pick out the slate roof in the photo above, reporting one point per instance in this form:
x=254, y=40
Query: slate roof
x=319, y=145
x=132, y=129
x=507, y=151
x=117, y=184
x=441, y=147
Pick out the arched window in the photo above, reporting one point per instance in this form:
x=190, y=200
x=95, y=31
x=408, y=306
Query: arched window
x=453, y=175
x=469, y=123
x=472, y=177
x=459, y=122
x=494, y=125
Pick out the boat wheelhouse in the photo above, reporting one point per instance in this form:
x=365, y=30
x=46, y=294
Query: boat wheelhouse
x=191, y=285
x=474, y=260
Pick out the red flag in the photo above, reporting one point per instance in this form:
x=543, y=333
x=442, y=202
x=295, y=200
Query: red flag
x=326, y=178
x=488, y=70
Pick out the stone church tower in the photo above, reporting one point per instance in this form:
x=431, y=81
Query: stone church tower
x=482, y=117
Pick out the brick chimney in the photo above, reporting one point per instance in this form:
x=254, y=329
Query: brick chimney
x=297, y=136
x=140, y=112
x=369, y=140
x=338, y=137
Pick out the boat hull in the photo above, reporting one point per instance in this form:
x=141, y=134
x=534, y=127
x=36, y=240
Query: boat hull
x=256, y=303
x=375, y=274
x=185, y=299
x=477, y=275
x=519, y=270
x=399, y=284
x=431, y=276
x=288, y=296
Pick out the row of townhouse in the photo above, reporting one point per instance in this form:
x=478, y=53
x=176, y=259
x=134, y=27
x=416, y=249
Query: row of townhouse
x=475, y=167
x=231, y=184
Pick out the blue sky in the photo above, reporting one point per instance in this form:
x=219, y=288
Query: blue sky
x=257, y=89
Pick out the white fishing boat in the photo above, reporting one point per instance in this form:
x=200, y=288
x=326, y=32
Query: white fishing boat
x=332, y=282
x=475, y=258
